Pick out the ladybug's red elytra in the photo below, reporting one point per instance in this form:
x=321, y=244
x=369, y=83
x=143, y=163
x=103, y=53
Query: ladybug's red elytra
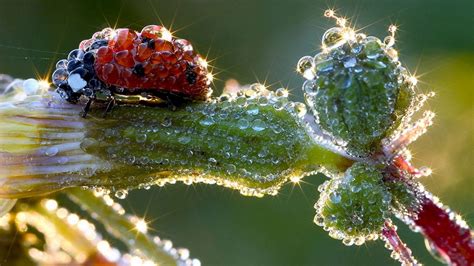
x=150, y=63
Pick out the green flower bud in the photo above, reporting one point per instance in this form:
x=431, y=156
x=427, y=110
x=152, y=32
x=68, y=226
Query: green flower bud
x=360, y=92
x=353, y=207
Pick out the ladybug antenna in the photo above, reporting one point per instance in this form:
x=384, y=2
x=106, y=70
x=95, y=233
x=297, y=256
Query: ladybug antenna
x=340, y=21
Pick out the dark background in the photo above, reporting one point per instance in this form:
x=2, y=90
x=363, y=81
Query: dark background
x=258, y=40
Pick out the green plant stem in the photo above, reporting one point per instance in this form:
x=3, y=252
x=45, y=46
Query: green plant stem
x=119, y=226
x=254, y=145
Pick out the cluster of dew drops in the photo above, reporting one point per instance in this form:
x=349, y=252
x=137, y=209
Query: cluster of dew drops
x=243, y=107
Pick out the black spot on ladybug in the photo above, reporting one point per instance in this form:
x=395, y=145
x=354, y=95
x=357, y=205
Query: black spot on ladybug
x=151, y=44
x=139, y=70
x=190, y=74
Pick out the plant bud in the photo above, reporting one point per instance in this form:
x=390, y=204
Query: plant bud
x=353, y=207
x=360, y=92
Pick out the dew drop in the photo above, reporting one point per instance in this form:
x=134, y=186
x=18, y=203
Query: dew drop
x=348, y=241
x=324, y=66
x=263, y=153
x=121, y=194
x=389, y=41
x=184, y=139
x=258, y=125
x=281, y=92
x=31, y=86
x=207, y=121
x=51, y=151
x=166, y=122
x=252, y=110
x=372, y=47
x=140, y=138
x=60, y=76
x=300, y=109
x=305, y=67
x=319, y=220
x=241, y=101
x=349, y=62
x=230, y=168
x=309, y=87
x=61, y=64
x=333, y=37
x=335, y=197
x=63, y=160
x=243, y=123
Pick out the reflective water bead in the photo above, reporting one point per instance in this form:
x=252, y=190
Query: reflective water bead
x=333, y=37
x=389, y=41
x=258, y=88
x=309, y=86
x=305, y=67
x=243, y=123
x=121, y=194
x=184, y=139
x=372, y=47
x=51, y=151
x=392, y=54
x=349, y=61
x=281, y=92
x=300, y=109
x=166, y=122
x=258, y=125
x=335, y=198
x=75, y=54
x=60, y=77
x=140, y=138
x=324, y=66
x=31, y=86
x=252, y=109
x=207, y=121
x=61, y=64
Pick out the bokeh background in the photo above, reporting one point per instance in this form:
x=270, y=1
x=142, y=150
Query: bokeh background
x=261, y=40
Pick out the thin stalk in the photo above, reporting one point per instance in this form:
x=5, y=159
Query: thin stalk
x=400, y=250
x=120, y=226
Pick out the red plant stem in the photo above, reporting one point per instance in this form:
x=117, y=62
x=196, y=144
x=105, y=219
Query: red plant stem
x=390, y=235
x=453, y=240
x=447, y=233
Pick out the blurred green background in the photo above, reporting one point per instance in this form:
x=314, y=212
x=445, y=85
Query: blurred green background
x=262, y=40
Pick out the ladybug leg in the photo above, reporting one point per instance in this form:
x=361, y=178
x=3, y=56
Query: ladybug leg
x=87, y=108
x=170, y=103
x=110, y=105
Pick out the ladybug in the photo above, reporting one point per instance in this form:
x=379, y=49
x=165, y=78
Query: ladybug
x=115, y=65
